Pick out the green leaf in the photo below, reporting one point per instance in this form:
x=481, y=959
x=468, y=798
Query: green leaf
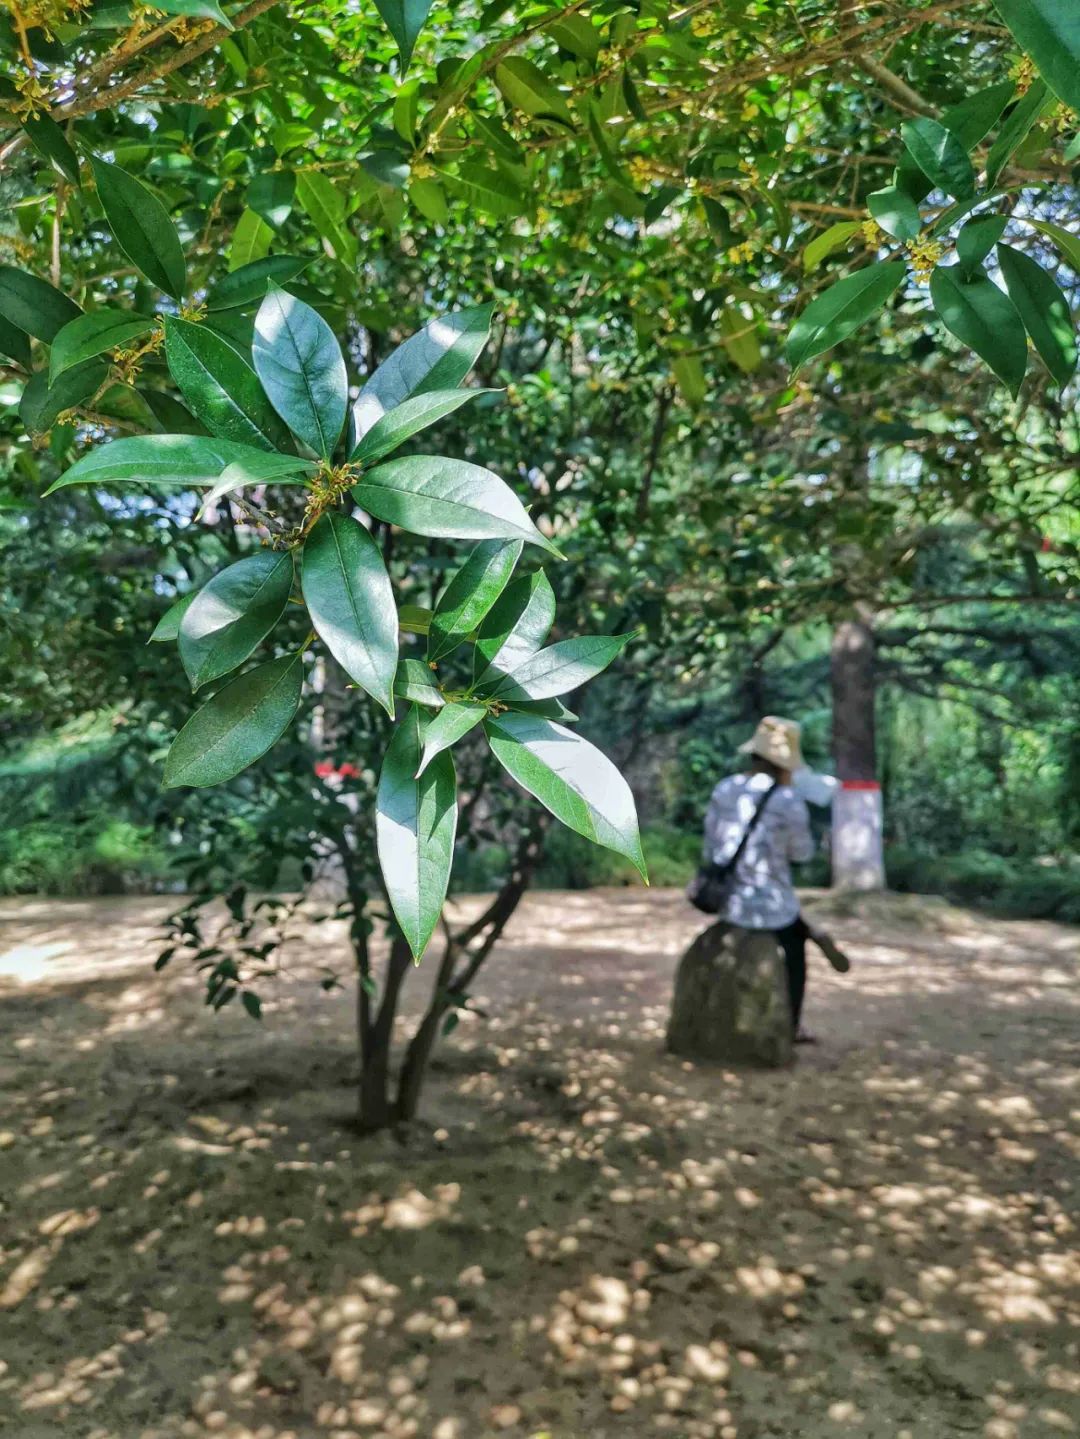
x=404, y=19
x=446, y=499
x=837, y=313
x=409, y=418
x=302, y=370
x=445, y=729
x=1015, y=129
x=438, y=357
x=1049, y=31
x=578, y=35
x=690, y=378
x=414, y=681
x=490, y=191
x=515, y=627
x=984, y=318
x=415, y=825
x=260, y=467
x=221, y=389
x=829, y=240
x=237, y=725
x=14, y=343
x=196, y=9
x=571, y=778
x=251, y=240
x=252, y=1004
x=271, y=196
x=429, y=199
x=529, y=90
x=34, y=305
x=168, y=626
x=233, y=613
x=738, y=335
x=552, y=709
x=191, y=461
x=407, y=111
x=977, y=238
x=89, y=335
x=971, y=120
x=247, y=285
x=939, y=155
x=141, y=227
x=896, y=212
x=414, y=619
x=470, y=595
x=1043, y=309
x=351, y=603
x=559, y=668
x=42, y=403
x=49, y=140
x=1069, y=245
x=325, y=208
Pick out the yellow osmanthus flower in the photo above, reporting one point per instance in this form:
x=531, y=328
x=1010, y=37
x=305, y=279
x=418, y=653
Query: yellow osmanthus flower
x=1023, y=72
x=639, y=169
x=193, y=313
x=925, y=255
x=741, y=253
x=872, y=233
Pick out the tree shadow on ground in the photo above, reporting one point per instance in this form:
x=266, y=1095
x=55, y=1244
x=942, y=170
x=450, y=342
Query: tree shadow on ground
x=587, y=1237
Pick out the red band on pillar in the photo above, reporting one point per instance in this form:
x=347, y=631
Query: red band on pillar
x=859, y=784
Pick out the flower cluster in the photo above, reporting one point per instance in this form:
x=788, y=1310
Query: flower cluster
x=924, y=257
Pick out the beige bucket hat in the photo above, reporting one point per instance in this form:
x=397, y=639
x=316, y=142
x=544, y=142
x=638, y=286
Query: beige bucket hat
x=777, y=740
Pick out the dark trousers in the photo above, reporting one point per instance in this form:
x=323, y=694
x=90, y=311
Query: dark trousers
x=792, y=940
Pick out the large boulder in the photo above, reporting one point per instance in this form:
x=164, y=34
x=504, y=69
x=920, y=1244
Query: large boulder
x=731, y=999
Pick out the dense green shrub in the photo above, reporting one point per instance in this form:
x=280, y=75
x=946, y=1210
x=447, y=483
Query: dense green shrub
x=1013, y=888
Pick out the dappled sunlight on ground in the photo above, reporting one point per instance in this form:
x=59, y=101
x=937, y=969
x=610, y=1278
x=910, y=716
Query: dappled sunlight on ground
x=588, y=1239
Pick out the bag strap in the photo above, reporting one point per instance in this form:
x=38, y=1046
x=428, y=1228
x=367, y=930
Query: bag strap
x=721, y=870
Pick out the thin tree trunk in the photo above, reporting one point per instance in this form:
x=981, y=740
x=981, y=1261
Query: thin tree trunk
x=857, y=861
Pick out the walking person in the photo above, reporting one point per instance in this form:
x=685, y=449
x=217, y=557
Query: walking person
x=758, y=820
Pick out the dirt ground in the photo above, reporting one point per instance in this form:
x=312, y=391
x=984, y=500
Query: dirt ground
x=587, y=1240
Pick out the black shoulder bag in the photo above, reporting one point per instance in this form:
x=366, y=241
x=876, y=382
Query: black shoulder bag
x=710, y=888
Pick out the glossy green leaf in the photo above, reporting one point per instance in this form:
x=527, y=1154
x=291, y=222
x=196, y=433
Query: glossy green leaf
x=1043, y=309
x=248, y=285
x=690, y=377
x=444, y=729
x=571, y=778
x=237, y=725
x=302, y=370
x=351, y=603
x=415, y=826
x=271, y=194
x=325, y=208
x=491, y=191
x=141, y=227
x=233, y=613
x=48, y=139
x=529, y=90
x=977, y=238
x=559, y=668
x=552, y=709
x=197, y=10
x=14, y=343
x=1013, y=132
x=578, y=35
x=896, y=212
x=1069, y=245
x=971, y=120
x=221, y=389
x=446, y=499
x=515, y=627
x=34, y=305
x=1049, y=31
x=842, y=309
x=438, y=357
x=414, y=619
x=42, y=403
x=409, y=418
x=470, y=595
x=251, y=241
x=90, y=335
x=940, y=155
x=260, y=467
x=191, y=461
x=984, y=318
x=414, y=681
x=821, y=246
x=167, y=628
x=429, y=199
x=404, y=19
x=738, y=335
